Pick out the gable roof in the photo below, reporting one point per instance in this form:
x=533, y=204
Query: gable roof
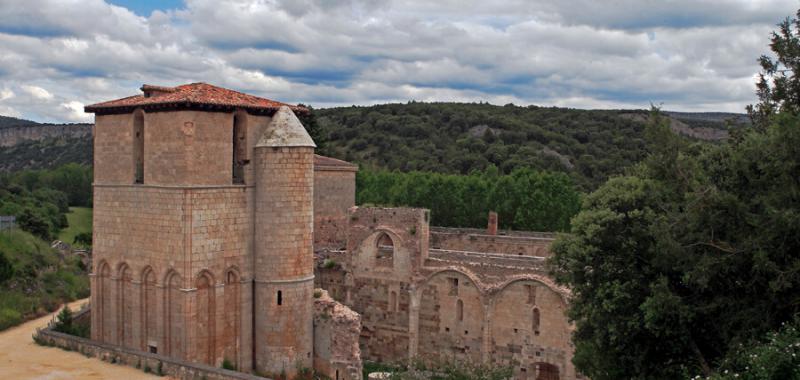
x=330, y=163
x=201, y=96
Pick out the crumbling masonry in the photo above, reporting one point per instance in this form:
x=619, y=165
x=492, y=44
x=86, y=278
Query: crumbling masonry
x=214, y=221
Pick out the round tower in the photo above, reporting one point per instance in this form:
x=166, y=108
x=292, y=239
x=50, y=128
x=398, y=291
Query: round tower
x=283, y=251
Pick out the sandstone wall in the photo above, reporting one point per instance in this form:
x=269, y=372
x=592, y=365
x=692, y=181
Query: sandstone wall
x=479, y=241
x=494, y=307
x=336, y=333
x=334, y=194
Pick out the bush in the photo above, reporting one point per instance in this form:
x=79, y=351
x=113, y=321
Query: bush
x=227, y=364
x=9, y=317
x=777, y=357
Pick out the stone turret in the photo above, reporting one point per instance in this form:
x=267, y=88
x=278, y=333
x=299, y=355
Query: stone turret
x=283, y=252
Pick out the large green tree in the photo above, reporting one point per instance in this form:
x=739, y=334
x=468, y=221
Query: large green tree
x=693, y=254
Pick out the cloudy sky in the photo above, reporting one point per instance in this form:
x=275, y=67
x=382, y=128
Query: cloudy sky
x=58, y=55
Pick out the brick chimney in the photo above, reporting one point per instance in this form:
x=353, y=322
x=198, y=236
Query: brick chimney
x=492, y=228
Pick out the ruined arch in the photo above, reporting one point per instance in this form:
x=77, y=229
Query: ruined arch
x=149, y=339
x=384, y=250
x=205, y=317
x=173, y=315
x=519, y=334
x=232, y=314
x=124, y=305
x=452, y=302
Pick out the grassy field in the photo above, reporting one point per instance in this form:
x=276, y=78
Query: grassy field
x=80, y=220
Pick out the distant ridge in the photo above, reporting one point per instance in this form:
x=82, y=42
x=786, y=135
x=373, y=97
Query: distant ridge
x=588, y=145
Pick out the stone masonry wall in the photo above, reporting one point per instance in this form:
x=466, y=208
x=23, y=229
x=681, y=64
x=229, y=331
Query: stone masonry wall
x=334, y=194
x=492, y=307
x=481, y=242
x=154, y=363
x=336, y=333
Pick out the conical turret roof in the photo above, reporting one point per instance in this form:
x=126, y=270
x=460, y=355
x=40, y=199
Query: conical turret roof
x=285, y=130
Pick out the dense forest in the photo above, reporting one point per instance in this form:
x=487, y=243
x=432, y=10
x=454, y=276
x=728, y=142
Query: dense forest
x=459, y=138
x=524, y=200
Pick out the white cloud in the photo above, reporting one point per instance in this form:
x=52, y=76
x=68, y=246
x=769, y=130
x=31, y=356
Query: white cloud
x=6, y=94
x=623, y=53
x=75, y=111
x=37, y=92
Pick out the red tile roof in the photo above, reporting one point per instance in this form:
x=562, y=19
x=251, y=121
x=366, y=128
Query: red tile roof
x=191, y=96
x=330, y=163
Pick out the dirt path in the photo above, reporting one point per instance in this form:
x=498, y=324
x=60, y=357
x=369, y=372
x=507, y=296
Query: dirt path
x=21, y=358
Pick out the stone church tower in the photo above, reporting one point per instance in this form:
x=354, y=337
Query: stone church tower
x=203, y=228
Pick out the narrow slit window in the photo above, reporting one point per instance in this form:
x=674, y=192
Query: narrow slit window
x=460, y=310
x=238, y=151
x=138, y=147
x=280, y=298
x=536, y=318
x=392, y=301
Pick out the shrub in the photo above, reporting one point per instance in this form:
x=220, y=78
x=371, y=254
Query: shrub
x=9, y=317
x=227, y=364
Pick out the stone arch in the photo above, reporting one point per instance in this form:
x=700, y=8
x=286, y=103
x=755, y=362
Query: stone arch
x=390, y=256
x=547, y=371
x=527, y=336
x=205, y=317
x=452, y=304
x=384, y=250
x=545, y=282
x=149, y=339
x=124, y=307
x=173, y=315
x=232, y=328
x=104, y=310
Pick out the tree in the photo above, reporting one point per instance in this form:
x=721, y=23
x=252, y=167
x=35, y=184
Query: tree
x=697, y=247
x=778, y=87
x=30, y=221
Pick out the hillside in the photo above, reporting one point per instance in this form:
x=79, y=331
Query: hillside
x=589, y=145
x=34, y=278
x=25, y=144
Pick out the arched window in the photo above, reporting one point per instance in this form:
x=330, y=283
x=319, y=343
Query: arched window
x=384, y=252
x=460, y=310
x=238, y=152
x=138, y=147
x=536, y=317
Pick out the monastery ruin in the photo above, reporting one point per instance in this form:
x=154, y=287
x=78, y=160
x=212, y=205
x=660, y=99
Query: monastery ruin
x=214, y=223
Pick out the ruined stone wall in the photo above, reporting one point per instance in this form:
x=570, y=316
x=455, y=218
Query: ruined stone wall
x=493, y=307
x=336, y=334
x=479, y=241
x=334, y=194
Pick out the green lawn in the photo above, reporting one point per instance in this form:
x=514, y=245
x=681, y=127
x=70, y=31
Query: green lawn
x=80, y=220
